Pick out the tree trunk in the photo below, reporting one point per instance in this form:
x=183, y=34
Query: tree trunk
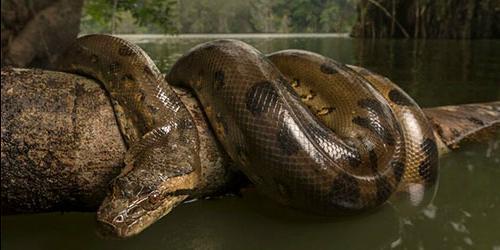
x=34, y=33
x=463, y=19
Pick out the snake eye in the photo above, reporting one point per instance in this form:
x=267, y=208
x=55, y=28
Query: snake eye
x=154, y=197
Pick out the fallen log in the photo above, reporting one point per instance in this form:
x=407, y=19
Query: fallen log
x=469, y=122
x=61, y=146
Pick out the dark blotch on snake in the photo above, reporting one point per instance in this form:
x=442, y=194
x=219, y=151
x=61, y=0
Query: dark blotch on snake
x=382, y=132
x=219, y=79
x=128, y=77
x=345, y=191
x=114, y=67
x=384, y=190
x=327, y=69
x=220, y=119
x=242, y=153
x=373, y=160
x=428, y=167
x=372, y=105
x=260, y=97
x=354, y=159
x=399, y=98
x=142, y=96
x=147, y=70
x=286, y=141
x=399, y=170
x=125, y=51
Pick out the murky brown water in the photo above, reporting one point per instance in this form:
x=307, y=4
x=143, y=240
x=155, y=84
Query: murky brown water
x=465, y=213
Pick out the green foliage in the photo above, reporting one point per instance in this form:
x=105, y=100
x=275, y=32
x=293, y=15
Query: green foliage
x=162, y=13
x=152, y=16
x=96, y=15
x=317, y=15
x=217, y=16
x=214, y=16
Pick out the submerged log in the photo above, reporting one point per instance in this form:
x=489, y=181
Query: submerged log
x=61, y=146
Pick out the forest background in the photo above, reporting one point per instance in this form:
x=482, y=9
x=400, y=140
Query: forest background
x=218, y=16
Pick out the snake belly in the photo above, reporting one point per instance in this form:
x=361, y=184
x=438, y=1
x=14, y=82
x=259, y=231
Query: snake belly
x=284, y=149
x=162, y=163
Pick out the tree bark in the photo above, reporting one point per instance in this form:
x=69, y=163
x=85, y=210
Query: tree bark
x=469, y=122
x=60, y=142
x=61, y=145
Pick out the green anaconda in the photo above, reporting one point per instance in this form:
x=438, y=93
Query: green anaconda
x=309, y=132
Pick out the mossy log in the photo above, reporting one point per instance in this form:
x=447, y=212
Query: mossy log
x=61, y=146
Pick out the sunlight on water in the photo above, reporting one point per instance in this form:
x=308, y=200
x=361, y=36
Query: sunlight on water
x=464, y=214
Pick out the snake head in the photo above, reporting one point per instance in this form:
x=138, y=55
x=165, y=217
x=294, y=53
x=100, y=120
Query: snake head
x=133, y=205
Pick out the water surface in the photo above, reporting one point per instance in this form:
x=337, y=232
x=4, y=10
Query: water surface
x=465, y=212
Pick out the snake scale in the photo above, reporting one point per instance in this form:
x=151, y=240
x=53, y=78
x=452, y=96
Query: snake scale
x=308, y=131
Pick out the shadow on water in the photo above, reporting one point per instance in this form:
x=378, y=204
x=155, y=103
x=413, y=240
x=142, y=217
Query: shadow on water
x=465, y=212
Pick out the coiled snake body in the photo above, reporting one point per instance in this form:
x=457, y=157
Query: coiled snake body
x=306, y=130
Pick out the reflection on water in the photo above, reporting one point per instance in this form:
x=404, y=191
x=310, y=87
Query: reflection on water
x=465, y=212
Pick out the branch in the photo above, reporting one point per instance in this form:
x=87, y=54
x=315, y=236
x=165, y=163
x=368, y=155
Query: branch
x=390, y=16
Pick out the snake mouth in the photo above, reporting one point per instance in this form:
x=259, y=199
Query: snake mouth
x=109, y=230
x=114, y=221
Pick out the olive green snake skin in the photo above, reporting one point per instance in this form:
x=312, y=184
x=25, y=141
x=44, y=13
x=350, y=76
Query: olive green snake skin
x=308, y=131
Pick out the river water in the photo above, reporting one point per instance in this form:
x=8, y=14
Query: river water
x=465, y=212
